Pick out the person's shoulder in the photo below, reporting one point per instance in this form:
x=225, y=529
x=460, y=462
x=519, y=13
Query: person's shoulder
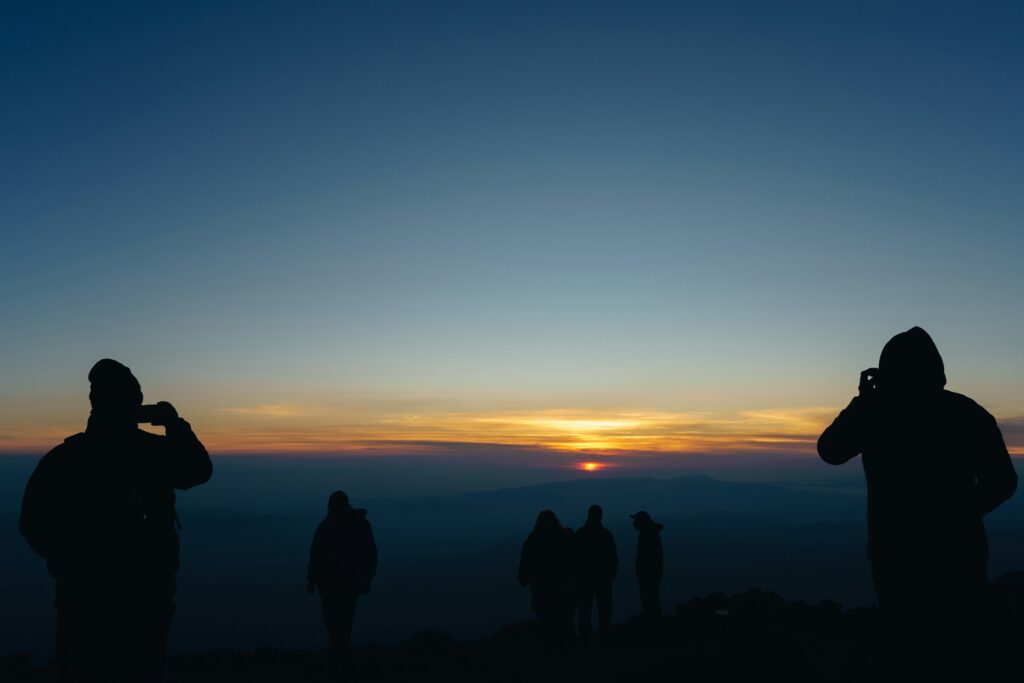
x=64, y=449
x=61, y=455
x=964, y=404
x=361, y=519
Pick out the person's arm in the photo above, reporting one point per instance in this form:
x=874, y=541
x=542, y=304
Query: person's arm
x=371, y=556
x=524, y=564
x=315, y=562
x=41, y=509
x=614, y=556
x=189, y=463
x=995, y=477
x=843, y=440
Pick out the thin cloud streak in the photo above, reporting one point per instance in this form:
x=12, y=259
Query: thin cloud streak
x=297, y=428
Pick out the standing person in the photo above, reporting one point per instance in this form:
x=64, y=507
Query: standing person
x=99, y=508
x=598, y=563
x=935, y=465
x=342, y=564
x=545, y=565
x=649, y=562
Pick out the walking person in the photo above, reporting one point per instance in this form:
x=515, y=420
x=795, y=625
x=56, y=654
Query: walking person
x=342, y=564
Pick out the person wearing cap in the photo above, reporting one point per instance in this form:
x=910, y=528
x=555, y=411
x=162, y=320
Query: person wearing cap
x=935, y=464
x=342, y=564
x=99, y=508
x=649, y=562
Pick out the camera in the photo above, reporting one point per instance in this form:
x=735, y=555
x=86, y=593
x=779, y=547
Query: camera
x=158, y=414
x=869, y=380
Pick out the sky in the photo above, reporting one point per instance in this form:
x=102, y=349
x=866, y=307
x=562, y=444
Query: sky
x=590, y=228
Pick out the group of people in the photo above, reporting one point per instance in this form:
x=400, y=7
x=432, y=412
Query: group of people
x=100, y=509
x=570, y=571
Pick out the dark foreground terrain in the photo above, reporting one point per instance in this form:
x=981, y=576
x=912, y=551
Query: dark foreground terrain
x=750, y=636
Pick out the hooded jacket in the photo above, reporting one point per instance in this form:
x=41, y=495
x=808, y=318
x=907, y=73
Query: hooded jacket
x=546, y=558
x=100, y=508
x=934, y=460
x=343, y=556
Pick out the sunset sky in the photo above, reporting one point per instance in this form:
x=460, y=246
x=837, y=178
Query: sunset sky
x=591, y=227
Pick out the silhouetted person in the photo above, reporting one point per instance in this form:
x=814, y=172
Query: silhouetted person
x=342, y=564
x=597, y=563
x=935, y=464
x=100, y=509
x=649, y=562
x=546, y=565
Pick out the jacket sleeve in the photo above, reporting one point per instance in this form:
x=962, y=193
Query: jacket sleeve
x=371, y=554
x=659, y=558
x=189, y=463
x=316, y=550
x=613, y=557
x=995, y=477
x=41, y=509
x=525, y=558
x=844, y=439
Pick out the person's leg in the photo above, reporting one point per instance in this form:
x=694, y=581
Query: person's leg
x=604, y=607
x=339, y=625
x=150, y=638
x=93, y=639
x=70, y=648
x=960, y=622
x=586, y=611
x=545, y=612
x=346, y=617
x=901, y=634
x=650, y=598
x=645, y=596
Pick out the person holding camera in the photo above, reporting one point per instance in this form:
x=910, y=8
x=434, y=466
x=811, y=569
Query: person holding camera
x=99, y=508
x=935, y=464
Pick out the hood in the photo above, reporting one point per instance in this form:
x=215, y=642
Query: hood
x=346, y=514
x=911, y=361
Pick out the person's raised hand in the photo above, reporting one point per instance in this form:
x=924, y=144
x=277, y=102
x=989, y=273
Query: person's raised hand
x=868, y=382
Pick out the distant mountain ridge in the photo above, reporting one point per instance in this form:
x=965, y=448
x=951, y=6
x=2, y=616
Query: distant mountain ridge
x=449, y=562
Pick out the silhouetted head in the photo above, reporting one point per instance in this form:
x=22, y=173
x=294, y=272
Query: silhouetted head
x=113, y=391
x=641, y=519
x=338, y=502
x=594, y=514
x=547, y=521
x=910, y=362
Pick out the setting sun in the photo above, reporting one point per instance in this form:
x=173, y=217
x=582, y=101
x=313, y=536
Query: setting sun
x=590, y=466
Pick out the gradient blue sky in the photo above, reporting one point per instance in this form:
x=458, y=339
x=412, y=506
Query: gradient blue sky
x=348, y=220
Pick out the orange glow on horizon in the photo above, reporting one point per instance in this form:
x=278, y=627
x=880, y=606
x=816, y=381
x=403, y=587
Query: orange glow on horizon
x=325, y=429
x=591, y=466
